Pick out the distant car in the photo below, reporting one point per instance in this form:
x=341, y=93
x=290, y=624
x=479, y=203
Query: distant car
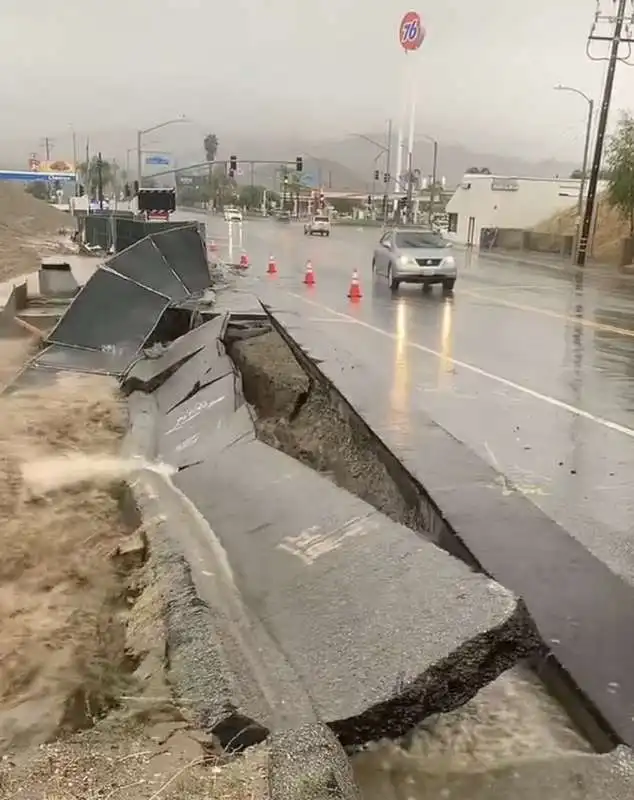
x=284, y=216
x=415, y=256
x=233, y=214
x=319, y=224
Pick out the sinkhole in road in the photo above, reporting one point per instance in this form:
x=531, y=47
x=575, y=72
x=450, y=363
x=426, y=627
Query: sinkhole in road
x=512, y=721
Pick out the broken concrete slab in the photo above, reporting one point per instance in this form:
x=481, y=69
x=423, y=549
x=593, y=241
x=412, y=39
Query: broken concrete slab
x=90, y=321
x=573, y=776
x=147, y=374
x=215, y=431
x=195, y=420
x=309, y=764
x=77, y=359
x=144, y=263
x=56, y=279
x=380, y=627
x=201, y=370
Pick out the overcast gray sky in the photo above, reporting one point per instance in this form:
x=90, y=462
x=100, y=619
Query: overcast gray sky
x=484, y=75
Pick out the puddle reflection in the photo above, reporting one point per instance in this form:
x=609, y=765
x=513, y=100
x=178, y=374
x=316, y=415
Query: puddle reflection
x=400, y=389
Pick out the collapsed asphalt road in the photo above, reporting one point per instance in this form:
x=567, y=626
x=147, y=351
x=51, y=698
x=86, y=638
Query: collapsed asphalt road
x=532, y=371
x=316, y=601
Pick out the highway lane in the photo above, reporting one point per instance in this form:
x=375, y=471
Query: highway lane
x=531, y=369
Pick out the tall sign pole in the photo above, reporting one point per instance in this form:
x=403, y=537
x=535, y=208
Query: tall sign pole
x=411, y=36
x=616, y=39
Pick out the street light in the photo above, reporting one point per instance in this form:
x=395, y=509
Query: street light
x=387, y=149
x=586, y=150
x=434, y=175
x=141, y=133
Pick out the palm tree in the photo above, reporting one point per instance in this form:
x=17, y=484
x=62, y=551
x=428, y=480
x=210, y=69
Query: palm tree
x=210, y=143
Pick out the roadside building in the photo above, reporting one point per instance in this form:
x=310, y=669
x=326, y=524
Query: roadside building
x=482, y=205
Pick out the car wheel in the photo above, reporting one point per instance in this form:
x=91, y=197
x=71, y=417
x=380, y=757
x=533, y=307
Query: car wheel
x=447, y=286
x=328, y=233
x=393, y=283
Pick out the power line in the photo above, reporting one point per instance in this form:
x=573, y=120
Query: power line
x=621, y=34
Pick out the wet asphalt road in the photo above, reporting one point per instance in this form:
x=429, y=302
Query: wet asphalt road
x=531, y=368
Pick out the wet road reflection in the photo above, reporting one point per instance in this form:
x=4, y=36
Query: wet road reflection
x=532, y=369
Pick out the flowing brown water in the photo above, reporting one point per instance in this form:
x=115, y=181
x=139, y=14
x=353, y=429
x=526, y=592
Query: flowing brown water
x=511, y=721
x=43, y=475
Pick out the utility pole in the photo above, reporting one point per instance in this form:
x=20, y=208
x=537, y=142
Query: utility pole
x=75, y=161
x=47, y=148
x=410, y=188
x=388, y=167
x=434, y=181
x=100, y=181
x=616, y=39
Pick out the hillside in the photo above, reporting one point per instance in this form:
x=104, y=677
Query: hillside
x=28, y=229
x=610, y=229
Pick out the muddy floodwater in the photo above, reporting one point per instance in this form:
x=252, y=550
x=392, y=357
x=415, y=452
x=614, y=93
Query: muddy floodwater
x=511, y=721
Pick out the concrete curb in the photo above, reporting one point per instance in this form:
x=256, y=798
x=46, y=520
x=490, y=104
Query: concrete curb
x=308, y=763
x=304, y=764
x=197, y=668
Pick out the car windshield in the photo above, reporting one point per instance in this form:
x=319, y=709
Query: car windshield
x=415, y=239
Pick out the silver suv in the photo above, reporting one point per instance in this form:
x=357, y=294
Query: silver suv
x=415, y=256
x=319, y=224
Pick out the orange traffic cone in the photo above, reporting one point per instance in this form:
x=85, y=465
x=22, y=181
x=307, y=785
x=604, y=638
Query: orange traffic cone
x=309, y=277
x=272, y=267
x=244, y=261
x=354, y=292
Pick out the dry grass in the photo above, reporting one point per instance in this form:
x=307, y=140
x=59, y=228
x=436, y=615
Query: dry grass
x=28, y=229
x=59, y=635
x=610, y=230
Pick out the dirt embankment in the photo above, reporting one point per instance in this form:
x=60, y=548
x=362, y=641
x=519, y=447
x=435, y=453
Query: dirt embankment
x=611, y=229
x=29, y=228
x=85, y=706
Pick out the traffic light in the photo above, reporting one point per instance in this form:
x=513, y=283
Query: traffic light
x=82, y=191
x=126, y=191
x=322, y=200
x=233, y=163
x=299, y=164
x=369, y=199
x=286, y=180
x=376, y=174
x=386, y=177
x=136, y=188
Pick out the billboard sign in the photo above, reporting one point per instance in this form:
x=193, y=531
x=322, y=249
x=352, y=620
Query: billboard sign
x=505, y=185
x=59, y=166
x=157, y=160
x=29, y=176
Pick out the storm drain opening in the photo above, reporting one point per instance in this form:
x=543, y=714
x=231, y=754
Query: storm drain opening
x=517, y=717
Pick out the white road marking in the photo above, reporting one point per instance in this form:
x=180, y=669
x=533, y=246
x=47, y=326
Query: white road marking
x=518, y=387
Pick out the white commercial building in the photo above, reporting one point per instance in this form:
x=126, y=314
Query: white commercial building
x=495, y=202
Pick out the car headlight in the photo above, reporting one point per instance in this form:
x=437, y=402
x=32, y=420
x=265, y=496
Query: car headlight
x=450, y=261
x=405, y=260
